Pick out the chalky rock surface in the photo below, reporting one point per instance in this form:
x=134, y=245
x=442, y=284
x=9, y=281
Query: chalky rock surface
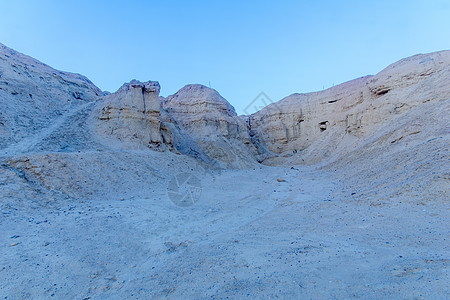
x=408, y=98
x=33, y=95
x=132, y=115
x=207, y=126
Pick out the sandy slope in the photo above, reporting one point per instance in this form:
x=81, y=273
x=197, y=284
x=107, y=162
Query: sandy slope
x=248, y=236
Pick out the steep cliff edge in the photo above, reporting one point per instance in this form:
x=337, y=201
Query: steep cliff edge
x=133, y=115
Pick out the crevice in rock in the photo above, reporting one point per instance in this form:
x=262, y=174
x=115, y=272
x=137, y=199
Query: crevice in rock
x=380, y=90
x=323, y=125
x=143, y=98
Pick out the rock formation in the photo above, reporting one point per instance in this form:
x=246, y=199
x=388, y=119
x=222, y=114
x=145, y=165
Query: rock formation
x=207, y=126
x=132, y=114
x=360, y=124
x=323, y=126
x=195, y=121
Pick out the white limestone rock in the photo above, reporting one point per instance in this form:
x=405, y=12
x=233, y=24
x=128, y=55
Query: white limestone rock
x=206, y=125
x=326, y=125
x=132, y=115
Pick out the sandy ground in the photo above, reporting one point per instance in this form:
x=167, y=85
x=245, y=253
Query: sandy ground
x=248, y=235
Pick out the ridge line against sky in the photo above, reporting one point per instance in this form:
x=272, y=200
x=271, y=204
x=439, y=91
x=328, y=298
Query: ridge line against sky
x=238, y=48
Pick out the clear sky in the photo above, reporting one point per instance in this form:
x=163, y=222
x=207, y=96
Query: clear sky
x=239, y=47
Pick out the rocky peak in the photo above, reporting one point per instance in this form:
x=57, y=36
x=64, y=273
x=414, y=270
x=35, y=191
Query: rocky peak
x=147, y=87
x=203, y=98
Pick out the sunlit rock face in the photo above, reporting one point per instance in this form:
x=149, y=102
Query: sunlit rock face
x=309, y=128
x=207, y=125
x=195, y=121
x=132, y=114
x=390, y=106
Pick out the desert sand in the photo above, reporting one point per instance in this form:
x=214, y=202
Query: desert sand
x=336, y=194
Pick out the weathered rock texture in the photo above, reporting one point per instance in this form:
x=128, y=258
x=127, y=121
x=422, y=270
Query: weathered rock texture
x=206, y=125
x=195, y=121
x=401, y=101
x=33, y=95
x=132, y=114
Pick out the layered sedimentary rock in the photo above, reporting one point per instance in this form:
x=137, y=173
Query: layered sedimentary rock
x=206, y=125
x=302, y=128
x=132, y=115
x=405, y=104
x=33, y=95
x=195, y=121
x=390, y=129
x=323, y=126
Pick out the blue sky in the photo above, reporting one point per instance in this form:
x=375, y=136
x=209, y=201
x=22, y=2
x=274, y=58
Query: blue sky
x=241, y=48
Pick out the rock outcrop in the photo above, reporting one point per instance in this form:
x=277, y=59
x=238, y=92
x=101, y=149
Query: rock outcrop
x=307, y=128
x=132, y=115
x=205, y=125
x=326, y=125
x=196, y=121
x=33, y=95
x=372, y=123
x=88, y=208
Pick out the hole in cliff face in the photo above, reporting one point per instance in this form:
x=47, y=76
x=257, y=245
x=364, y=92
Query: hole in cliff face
x=323, y=125
x=382, y=92
x=332, y=101
x=379, y=91
x=76, y=95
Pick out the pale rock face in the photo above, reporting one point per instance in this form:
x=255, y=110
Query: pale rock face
x=132, y=114
x=323, y=126
x=207, y=125
x=33, y=95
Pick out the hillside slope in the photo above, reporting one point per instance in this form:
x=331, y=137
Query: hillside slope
x=383, y=136
x=408, y=98
x=33, y=95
